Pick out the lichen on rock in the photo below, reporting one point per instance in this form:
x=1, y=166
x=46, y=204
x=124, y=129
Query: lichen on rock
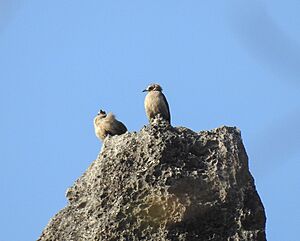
x=164, y=183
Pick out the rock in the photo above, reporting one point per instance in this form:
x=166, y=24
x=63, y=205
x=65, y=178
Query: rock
x=164, y=183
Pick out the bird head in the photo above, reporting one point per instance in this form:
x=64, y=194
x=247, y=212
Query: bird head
x=153, y=87
x=101, y=114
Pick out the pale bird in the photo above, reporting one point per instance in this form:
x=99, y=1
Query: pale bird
x=156, y=103
x=107, y=124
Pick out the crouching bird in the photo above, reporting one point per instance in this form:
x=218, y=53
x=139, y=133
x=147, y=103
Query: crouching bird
x=156, y=103
x=107, y=124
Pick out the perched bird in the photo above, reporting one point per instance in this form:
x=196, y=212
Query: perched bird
x=107, y=124
x=156, y=103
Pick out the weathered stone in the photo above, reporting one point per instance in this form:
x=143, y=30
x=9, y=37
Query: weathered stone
x=164, y=183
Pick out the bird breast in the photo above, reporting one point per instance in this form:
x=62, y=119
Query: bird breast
x=154, y=104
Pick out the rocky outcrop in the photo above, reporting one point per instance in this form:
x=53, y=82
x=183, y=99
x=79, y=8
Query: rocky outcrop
x=164, y=183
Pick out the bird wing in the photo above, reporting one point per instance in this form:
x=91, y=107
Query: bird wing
x=168, y=108
x=121, y=128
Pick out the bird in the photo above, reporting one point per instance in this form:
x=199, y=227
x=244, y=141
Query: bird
x=107, y=124
x=156, y=103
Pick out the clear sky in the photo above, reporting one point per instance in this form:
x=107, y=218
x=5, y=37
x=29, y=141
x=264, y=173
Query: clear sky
x=226, y=62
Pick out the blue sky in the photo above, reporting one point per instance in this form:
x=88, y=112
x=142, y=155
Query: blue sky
x=219, y=62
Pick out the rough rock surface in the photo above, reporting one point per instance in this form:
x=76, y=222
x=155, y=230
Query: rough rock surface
x=164, y=183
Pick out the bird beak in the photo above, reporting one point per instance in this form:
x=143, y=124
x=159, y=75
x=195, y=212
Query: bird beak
x=145, y=90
